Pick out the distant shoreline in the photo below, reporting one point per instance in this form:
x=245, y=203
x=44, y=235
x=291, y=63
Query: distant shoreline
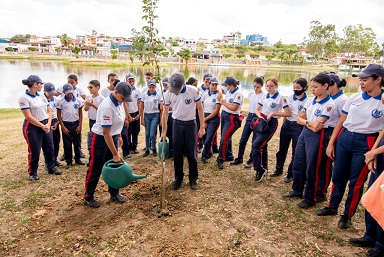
x=73, y=61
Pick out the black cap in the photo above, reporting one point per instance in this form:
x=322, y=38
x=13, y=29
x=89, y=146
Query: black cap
x=371, y=69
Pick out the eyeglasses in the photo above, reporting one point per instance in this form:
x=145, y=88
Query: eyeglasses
x=90, y=87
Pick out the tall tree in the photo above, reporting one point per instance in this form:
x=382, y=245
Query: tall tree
x=65, y=40
x=185, y=54
x=20, y=38
x=321, y=39
x=358, y=39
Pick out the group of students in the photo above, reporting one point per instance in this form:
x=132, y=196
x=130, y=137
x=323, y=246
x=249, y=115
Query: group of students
x=334, y=138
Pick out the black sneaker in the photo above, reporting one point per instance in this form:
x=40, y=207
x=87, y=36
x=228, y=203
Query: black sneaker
x=248, y=164
x=229, y=159
x=276, y=173
x=326, y=211
x=305, y=204
x=79, y=162
x=361, y=242
x=145, y=154
x=375, y=252
x=62, y=158
x=176, y=184
x=154, y=152
x=58, y=164
x=220, y=165
x=54, y=171
x=193, y=185
x=236, y=161
x=33, y=177
x=288, y=179
x=293, y=194
x=344, y=222
x=215, y=149
x=260, y=175
x=117, y=198
x=92, y=203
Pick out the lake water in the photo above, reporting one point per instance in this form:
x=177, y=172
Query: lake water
x=12, y=72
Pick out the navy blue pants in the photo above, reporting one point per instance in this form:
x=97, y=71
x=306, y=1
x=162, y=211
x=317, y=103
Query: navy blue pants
x=260, y=145
x=37, y=139
x=326, y=166
x=373, y=231
x=56, y=139
x=210, y=131
x=184, y=143
x=72, y=138
x=91, y=123
x=124, y=136
x=229, y=124
x=133, y=132
x=99, y=153
x=349, y=166
x=247, y=131
x=290, y=131
x=307, y=163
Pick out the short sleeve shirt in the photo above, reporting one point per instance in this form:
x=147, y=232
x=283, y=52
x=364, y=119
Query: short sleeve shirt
x=184, y=103
x=70, y=108
x=234, y=97
x=96, y=101
x=210, y=101
x=273, y=103
x=320, y=109
x=296, y=105
x=37, y=104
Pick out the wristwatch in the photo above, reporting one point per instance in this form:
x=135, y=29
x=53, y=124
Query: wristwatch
x=307, y=123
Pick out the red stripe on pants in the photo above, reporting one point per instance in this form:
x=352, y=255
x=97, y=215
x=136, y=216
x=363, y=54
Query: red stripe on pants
x=91, y=163
x=29, y=147
x=226, y=136
x=318, y=163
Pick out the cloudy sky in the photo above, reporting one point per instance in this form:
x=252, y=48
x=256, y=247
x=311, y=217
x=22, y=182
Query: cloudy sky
x=286, y=20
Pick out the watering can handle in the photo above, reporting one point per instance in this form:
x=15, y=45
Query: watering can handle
x=166, y=139
x=115, y=164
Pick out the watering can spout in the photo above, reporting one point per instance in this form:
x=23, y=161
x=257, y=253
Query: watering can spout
x=119, y=174
x=136, y=177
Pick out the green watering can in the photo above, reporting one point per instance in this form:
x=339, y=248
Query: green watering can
x=160, y=148
x=119, y=174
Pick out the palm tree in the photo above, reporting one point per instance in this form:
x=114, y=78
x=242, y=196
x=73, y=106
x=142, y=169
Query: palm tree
x=65, y=40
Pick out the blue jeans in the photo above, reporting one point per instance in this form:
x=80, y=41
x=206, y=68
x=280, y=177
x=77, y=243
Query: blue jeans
x=151, y=122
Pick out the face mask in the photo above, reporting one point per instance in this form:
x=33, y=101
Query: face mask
x=298, y=92
x=226, y=90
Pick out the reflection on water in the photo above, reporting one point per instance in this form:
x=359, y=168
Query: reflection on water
x=13, y=71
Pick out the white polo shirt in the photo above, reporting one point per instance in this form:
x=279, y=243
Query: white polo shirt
x=323, y=108
x=183, y=104
x=365, y=113
x=96, y=101
x=105, y=92
x=52, y=105
x=70, y=108
x=296, y=105
x=234, y=97
x=210, y=101
x=151, y=102
x=273, y=103
x=203, y=90
x=110, y=114
x=136, y=95
x=339, y=99
x=254, y=100
x=36, y=103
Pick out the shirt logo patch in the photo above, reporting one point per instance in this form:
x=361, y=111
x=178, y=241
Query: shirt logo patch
x=188, y=101
x=76, y=106
x=22, y=104
x=230, y=100
x=106, y=117
x=156, y=101
x=317, y=113
x=273, y=105
x=300, y=107
x=329, y=109
x=376, y=113
x=213, y=100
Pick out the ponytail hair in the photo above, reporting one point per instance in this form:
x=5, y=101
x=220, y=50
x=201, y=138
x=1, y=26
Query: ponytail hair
x=259, y=80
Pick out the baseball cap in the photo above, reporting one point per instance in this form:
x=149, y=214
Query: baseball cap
x=371, y=69
x=130, y=76
x=207, y=75
x=214, y=81
x=151, y=82
x=176, y=83
x=68, y=89
x=125, y=89
x=32, y=79
x=165, y=81
x=333, y=76
x=50, y=88
x=229, y=81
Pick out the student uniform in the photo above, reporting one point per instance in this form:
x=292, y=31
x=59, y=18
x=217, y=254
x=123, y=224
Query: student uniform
x=110, y=114
x=290, y=131
x=325, y=176
x=55, y=133
x=184, y=130
x=230, y=122
x=151, y=117
x=254, y=100
x=92, y=111
x=35, y=136
x=134, y=126
x=70, y=117
x=309, y=150
x=269, y=104
x=210, y=102
x=105, y=92
x=360, y=129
